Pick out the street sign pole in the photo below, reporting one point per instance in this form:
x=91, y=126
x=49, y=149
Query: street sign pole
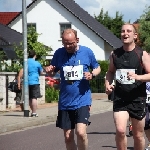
x=25, y=63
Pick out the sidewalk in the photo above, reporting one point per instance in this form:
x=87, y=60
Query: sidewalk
x=15, y=120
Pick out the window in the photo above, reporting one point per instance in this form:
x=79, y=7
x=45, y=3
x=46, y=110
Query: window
x=31, y=25
x=64, y=26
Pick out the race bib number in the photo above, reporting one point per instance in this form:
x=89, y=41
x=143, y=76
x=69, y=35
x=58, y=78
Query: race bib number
x=121, y=76
x=73, y=72
x=148, y=98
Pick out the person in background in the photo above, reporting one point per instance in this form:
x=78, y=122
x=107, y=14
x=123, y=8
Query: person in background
x=34, y=70
x=19, y=98
x=73, y=61
x=20, y=87
x=20, y=78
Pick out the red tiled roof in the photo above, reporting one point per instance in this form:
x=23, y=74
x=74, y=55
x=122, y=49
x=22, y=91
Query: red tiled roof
x=6, y=17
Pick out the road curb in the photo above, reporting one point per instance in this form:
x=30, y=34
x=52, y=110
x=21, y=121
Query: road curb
x=30, y=123
x=48, y=115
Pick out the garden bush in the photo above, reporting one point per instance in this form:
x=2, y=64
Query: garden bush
x=97, y=84
x=51, y=94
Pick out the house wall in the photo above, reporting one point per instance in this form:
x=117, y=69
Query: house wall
x=108, y=50
x=47, y=15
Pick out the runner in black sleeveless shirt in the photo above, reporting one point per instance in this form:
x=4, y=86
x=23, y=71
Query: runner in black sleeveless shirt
x=129, y=94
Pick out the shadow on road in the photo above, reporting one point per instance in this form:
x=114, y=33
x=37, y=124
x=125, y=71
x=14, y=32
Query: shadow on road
x=14, y=115
x=129, y=148
x=101, y=133
x=110, y=146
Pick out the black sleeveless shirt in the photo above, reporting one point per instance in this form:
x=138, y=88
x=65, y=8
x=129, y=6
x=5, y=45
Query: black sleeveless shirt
x=129, y=60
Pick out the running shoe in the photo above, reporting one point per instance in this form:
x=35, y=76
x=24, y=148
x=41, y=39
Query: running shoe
x=148, y=148
x=34, y=115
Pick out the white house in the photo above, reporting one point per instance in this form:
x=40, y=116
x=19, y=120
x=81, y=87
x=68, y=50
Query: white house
x=50, y=17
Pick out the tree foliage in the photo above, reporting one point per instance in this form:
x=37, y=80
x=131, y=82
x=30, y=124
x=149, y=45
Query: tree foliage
x=144, y=29
x=33, y=44
x=3, y=57
x=113, y=24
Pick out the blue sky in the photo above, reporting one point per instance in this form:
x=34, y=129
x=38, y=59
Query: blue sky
x=130, y=9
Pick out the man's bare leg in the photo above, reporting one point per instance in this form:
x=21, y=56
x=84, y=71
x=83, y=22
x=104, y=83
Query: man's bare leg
x=120, y=120
x=138, y=133
x=69, y=140
x=82, y=141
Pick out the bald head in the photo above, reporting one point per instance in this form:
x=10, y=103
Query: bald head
x=69, y=31
x=70, y=40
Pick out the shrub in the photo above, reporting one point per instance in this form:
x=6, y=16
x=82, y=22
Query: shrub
x=51, y=94
x=97, y=84
x=104, y=67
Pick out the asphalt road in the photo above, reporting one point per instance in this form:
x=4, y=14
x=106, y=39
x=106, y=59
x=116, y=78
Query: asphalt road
x=101, y=135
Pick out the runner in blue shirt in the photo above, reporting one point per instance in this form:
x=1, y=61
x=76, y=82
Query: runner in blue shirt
x=74, y=62
x=34, y=70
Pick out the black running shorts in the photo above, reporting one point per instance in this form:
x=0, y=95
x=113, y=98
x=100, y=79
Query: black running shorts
x=135, y=108
x=34, y=91
x=67, y=119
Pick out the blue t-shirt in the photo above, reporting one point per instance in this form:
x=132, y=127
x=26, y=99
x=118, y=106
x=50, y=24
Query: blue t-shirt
x=77, y=94
x=34, y=70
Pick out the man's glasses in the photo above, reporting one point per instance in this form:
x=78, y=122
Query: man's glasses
x=69, y=44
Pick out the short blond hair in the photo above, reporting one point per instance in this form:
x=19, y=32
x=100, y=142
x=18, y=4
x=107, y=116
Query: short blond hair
x=135, y=29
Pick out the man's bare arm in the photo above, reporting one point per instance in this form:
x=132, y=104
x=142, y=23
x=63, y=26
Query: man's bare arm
x=111, y=72
x=96, y=71
x=146, y=64
x=20, y=75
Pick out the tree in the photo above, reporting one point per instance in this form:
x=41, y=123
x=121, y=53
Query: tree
x=32, y=44
x=113, y=24
x=116, y=24
x=144, y=29
x=104, y=18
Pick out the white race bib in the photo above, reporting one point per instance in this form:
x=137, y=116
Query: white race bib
x=73, y=72
x=148, y=98
x=121, y=76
